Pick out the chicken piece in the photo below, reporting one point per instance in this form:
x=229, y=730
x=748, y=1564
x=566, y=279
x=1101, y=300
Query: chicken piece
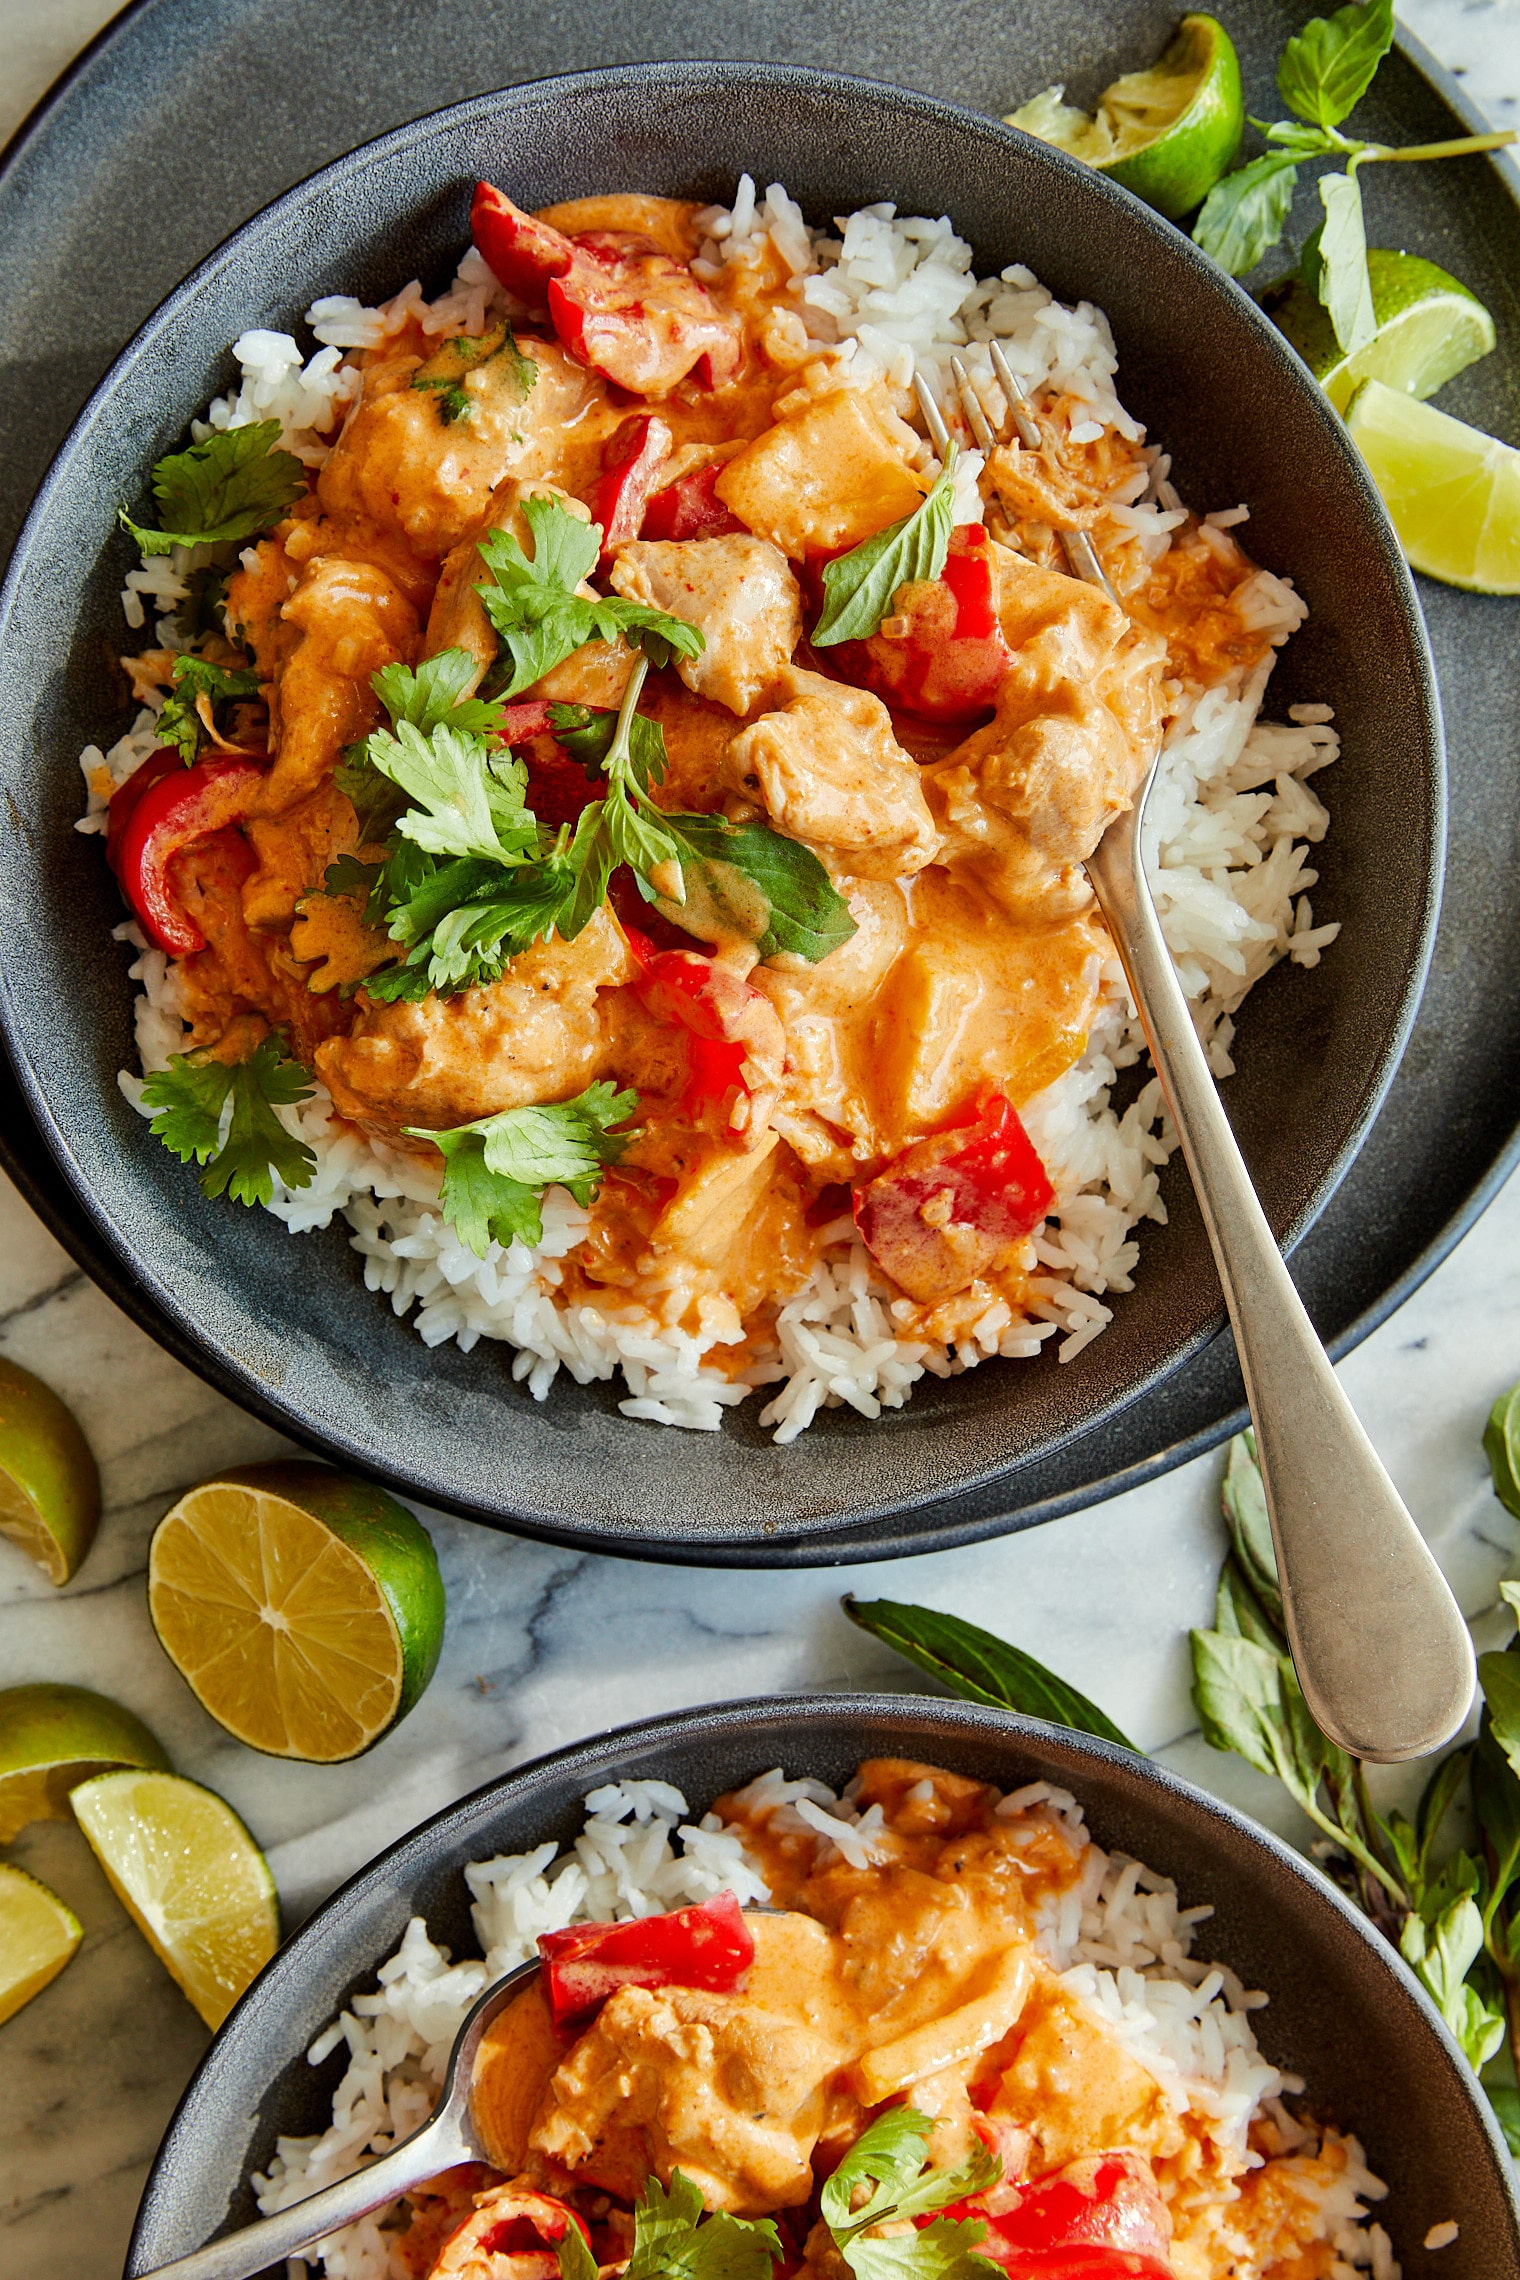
x=422, y=461
x=1073, y=2085
x=827, y=769
x=738, y=592
x=823, y=478
x=727, y=2088
x=294, y=850
x=539, y=1034
x=1025, y=800
x=351, y=619
x=668, y=223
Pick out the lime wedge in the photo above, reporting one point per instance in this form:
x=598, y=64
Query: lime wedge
x=38, y=1935
x=1428, y=327
x=1453, y=492
x=49, y=1487
x=1168, y=133
x=53, y=1737
x=303, y=1608
x=190, y=1877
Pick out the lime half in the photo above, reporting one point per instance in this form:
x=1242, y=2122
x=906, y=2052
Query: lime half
x=1168, y=133
x=49, y=1486
x=190, y=1877
x=1429, y=327
x=53, y=1737
x=38, y=1935
x=1453, y=492
x=304, y=1609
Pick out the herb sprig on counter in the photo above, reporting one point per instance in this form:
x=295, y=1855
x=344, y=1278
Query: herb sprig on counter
x=226, y=489
x=1324, y=72
x=221, y=1115
x=1451, y=1908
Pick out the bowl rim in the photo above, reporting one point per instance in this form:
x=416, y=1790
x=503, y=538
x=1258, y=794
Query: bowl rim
x=159, y=1296
x=594, y=1757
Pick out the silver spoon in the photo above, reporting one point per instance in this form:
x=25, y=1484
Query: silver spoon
x=1379, y=1644
x=447, y=2138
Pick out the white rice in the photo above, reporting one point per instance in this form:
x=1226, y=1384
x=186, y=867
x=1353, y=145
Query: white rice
x=1118, y=1937
x=1229, y=832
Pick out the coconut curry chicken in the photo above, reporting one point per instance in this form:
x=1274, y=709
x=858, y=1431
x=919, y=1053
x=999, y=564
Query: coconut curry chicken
x=880, y=2075
x=633, y=764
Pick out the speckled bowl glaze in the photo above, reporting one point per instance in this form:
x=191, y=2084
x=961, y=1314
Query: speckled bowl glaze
x=291, y=1330
x=1345, y=2013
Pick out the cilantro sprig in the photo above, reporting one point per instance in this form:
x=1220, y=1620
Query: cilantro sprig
x=672, y=2240
x=537, y=613
x=859, y=586
x=180, y=722
x=221, y=1115
x=469, y=879
x=496, y=1170
x=232, y=486
x=887, y=2164
x=1324, y=72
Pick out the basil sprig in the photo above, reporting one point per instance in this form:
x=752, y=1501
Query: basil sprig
x=859, y=586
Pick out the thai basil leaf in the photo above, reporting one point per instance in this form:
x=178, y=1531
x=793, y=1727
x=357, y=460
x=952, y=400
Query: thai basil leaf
x=1245, y=1512
x=1344, y=285
x=745, y=881
x=1328, y=67
x=1246, y=214
x=1499, y=1677
x=1501, y=1446
x=981, y=1667
x=859, y=586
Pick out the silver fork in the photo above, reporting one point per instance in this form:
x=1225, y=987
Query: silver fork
x=1379, y=1644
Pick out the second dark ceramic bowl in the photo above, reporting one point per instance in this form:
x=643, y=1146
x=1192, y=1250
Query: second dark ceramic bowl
x=1345, y=2013
x=291, y=1331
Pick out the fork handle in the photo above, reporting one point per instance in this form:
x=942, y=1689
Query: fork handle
x=438, y=2145
x=1381, y=1650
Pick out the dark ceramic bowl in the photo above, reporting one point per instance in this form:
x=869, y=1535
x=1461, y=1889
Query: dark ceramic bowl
x=1345, y=2012
x=292, y=1332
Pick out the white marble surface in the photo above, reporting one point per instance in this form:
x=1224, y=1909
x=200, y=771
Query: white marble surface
x=545, y=1646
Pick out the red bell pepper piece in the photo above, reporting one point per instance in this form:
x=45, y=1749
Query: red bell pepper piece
x=521, y=723
x=513, y=2223
x=690, y=508
x=956, y=1205
x=710, y=1946
x=948, y=661
x=630, y=469
x=124, y=799
x=617, y=303
x=180, y=806
x=1099, y=2218
x=727, y=1023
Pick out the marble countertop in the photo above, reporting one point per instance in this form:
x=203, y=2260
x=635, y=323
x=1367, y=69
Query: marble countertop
x=544, y=1645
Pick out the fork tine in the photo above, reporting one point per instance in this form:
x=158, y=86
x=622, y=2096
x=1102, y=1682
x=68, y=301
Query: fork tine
x=971, y=405
x=1025, y=424
x=934, y=418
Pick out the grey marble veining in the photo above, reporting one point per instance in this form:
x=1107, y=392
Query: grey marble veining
x=543, y=1645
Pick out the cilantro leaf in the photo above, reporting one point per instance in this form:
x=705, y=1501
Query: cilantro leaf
x=377, y=802
x=890, y=2158
x=1248, y=211
x=434, y=693
x=671, y=2241
x=444, y=372
x=575, y=2259
x=495, y=1170
x=179, y=724
x=244, y=1151
x=859, y=586
x=1328, y=67
x=945, y=2250
x=232, y=486
x=539, y=617
x=466, y=799
x=1344, y=285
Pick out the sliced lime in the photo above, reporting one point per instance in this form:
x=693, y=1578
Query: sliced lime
x=190, y=1877
x=51, y=1738
x=1453, y=492
x=49, y=1485
x=1428, y=327
x=1168, y=133
x=38, y=1935
x=304, y=1608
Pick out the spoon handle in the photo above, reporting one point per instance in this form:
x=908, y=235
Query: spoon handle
x=1380, y=1647
x=236, y=2256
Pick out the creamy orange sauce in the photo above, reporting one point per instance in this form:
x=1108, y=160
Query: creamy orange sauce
x=915, y=1979
x=975, y=964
